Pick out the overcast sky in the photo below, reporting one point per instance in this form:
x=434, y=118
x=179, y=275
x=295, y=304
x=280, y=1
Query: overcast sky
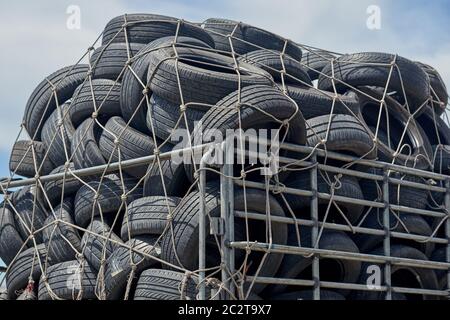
x=35, y=40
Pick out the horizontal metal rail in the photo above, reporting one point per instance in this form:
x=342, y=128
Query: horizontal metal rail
x=339, y=227
x=277, y=248
x=345, y=286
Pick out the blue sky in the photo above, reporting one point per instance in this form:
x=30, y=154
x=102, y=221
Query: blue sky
x=36, y=42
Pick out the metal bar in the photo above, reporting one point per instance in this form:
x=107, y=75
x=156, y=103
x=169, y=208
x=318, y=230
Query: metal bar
x=387, y=238
x=326, y=196
x=344, y=286
x=277, y=248
x=315, y=228
x=339, y=227
x=447, y=228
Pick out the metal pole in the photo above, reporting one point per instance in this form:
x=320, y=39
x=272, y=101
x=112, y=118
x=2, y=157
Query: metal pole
x=315, y=227
x=447, y=228
x=387, y=236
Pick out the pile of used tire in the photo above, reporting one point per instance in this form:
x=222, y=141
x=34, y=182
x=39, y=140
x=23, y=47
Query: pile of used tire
x=132, y=232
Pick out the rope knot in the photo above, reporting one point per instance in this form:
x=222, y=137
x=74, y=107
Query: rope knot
x=285, y=122
x=145, y=91
x=67, y=165
x=123, y=197
x=182, y=108
x=243, y=174
x=156, y=152
x=94, y=115
x=116, y=141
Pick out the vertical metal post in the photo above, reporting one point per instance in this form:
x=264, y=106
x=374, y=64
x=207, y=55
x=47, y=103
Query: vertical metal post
x=315, y=228
x=387, y=234
x=447, y=227
x=227, y=214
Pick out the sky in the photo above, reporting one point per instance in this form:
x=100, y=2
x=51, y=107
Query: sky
x=35, y=40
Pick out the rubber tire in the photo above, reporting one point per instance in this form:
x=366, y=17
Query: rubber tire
x=61, y=275
x=118, y=266
x=202, y=81
x=437, y=88
x=156, y=284
x=273, y=63
x=441, y=155
x=315, y=61
x=259, y=105
x=22, y=159
x=185, y=229
x=293, y=265
x=107, y=101
x=42, y=103
x=109, y=197
x=163, y=116
x=56, y=143
x=145, y=28
x=132, y=143
x=248, y=33
x=314, y=103
x=61, y=240
x=349, y=188
x=415, y=224
x=308, y=295
x=420, y=146
x=95, y=248
x=132, y=99
x=54, y=189
x=147, y=216
x=109, y=62
x=427, y=277
x=361, y=72
x=435, y=128
x=343, y=134
x=440, y=256
x=85, y=149
x=10, y=240
x=19, y=272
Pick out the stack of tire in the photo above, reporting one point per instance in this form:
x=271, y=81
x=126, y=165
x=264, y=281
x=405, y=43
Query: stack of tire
x=133, y=233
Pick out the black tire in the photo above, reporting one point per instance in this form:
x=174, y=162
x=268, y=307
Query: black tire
x=440, y=255
x=109, y=62
x=68, y=281
x=85, y=150
x=438, y=88
x=309, y=295
x=336, y=270
x=133, y=102
x=57, y=135
x=24, y=267
x=204, y=77
x=25, y=154
x=415, y=224
x=368, y=112
x=147, y=216
x=62, y=241
x=185, y=227
x=132, y=144
x=315, y=61
x=57, y=190
x=119, y=265
x=109, y=197
x=10, y=240
x=342, y=133
x=107, y=101
x=423, y=278
x=157, y=284
x=170, y=179
x=96, y=248
x=314, y=103
x=436, y=130
x=259, y=106
x=220, y=28
x=31, y=214
x=273, y=63
x=163, y=116
x=398, y=195
x=42, y=102
x=145, y=28
x=346, y=186
x=441, y=156
x=373, y=69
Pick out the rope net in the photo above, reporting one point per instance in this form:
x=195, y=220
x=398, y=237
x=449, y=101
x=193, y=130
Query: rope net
x=111, y=209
